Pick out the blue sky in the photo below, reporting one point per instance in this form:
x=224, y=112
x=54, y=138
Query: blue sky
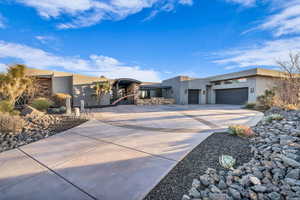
x=149, y=40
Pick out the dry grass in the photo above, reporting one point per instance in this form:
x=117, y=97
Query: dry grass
x=11, y=123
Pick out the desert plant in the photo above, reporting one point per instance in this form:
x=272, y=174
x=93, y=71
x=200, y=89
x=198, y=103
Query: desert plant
x=14, y=83
x=11, y=123
x=241, y=130
x=60, y=110
x=101, y=88
x=250, y=105
x=272, y=117
x=267, y=100
x=59, y=99
x=290, y=107
x=41, y=104
x=227, y=161
x=6, y=106
x=288, y=87
x=63, y=109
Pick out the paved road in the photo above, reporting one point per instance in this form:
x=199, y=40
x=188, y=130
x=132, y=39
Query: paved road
x=121, y=154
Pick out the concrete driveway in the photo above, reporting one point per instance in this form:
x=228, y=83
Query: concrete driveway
x=121, y=154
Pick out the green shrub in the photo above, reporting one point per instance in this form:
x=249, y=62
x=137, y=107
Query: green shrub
x=241, y=130
x=7, y=107
x=250, y=105
x=60, y=110
x=41, y=104
x=63, y=109
x=272, y=117
x=11, y=123
x=60, y=99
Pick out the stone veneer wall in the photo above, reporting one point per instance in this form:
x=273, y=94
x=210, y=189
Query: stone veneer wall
x=44, y=87
x=155, y=101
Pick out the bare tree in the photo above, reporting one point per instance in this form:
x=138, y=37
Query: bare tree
x=288, y=88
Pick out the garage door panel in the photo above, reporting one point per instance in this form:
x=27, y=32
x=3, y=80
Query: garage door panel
x=193, y=96
x=236, y=96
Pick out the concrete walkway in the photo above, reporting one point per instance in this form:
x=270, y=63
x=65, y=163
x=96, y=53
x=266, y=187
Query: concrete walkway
x=121, y=154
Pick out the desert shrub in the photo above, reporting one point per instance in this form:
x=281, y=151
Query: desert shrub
x=7, y=107
x=60, y=99
x=267, y=100
x=11, y=123
x=290, y=107
x=288, y=86
x=41, y=104
x=60, y=110
x=241, y=130
x=63, y=109
x=250, y=105
x=272, y=117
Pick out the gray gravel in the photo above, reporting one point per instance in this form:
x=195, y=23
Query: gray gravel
x=272, y=173
x=205, y=155
x=37, y=129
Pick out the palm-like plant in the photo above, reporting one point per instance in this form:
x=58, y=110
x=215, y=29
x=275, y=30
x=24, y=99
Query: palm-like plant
x=14, y=83
x=102, y=88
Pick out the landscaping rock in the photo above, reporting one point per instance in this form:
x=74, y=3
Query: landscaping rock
x=274, y=171
x=37, y=126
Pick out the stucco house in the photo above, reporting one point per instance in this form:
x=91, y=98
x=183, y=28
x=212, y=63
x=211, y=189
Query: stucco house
x=233, y=88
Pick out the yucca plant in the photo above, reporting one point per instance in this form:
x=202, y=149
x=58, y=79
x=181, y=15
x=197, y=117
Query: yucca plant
x=14, y=83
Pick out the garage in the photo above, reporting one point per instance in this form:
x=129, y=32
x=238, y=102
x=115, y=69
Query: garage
x=237, y=96
x=193, y=96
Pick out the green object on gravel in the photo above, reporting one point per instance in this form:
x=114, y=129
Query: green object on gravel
x=227, y=161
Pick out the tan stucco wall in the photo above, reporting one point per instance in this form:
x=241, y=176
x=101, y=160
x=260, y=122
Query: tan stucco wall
x=83, y=90
x=196, y=84
x=62, y=84
x=264, y=83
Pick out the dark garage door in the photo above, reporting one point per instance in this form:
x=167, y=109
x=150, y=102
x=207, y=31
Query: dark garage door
x=236, y=96
x=193, y=96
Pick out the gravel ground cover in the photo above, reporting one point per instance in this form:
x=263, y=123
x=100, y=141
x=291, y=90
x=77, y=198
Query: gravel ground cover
x=272, y=174
x=206, y=155
x=38, y=126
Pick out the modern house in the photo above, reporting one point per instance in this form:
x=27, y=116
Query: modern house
x=233, y=88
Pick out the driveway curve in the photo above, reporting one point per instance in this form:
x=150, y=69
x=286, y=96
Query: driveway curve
x=121, y=154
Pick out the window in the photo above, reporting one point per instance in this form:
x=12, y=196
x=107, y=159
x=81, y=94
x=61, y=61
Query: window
x=240, y=80
x=217, y=83
x=228, y=82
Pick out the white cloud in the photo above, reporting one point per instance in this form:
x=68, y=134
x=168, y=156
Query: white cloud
x=285, y=21
x=186, y=2
x=44, y=39
x=2, y=21
x=2, y=67
x=264, y=54
x=96, y=64
x=83, y=13
x=243, y=2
